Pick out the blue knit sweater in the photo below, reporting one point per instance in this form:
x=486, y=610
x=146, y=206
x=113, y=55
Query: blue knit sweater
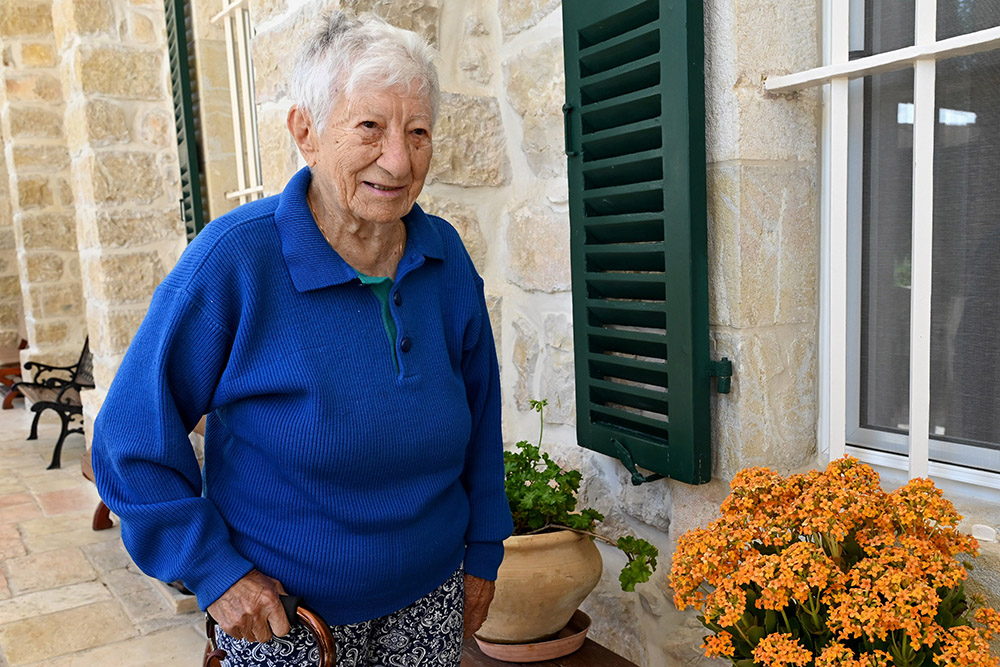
x=359, y=487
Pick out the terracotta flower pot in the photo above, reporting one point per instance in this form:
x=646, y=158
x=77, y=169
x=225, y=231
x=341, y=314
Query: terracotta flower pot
x=542, y=581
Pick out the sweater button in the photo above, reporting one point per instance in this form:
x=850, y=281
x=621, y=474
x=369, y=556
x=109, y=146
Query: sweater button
x=397, y=299
x=405, y=344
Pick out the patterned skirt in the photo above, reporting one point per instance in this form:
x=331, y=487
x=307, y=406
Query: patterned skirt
x=427, y=633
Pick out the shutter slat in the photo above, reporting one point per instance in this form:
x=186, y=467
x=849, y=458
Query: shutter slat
x=624, y=286
x=627, y=341
x=643, y=41
x=629, y=420
x=630, y=108
x=627, y=368
x=619, y=81
x=633, y=396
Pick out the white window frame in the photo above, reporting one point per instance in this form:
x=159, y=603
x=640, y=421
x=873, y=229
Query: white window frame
x=235, y=18
x=836, y=75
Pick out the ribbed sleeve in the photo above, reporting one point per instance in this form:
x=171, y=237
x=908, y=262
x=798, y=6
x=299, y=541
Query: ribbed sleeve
x=489, y=520
x=144, y=465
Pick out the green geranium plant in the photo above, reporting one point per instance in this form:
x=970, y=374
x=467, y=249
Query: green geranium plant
x=542, y=498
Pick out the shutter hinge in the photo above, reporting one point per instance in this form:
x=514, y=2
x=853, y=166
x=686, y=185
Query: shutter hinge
x=625, y=456
x=568, y=129
x=722, y=370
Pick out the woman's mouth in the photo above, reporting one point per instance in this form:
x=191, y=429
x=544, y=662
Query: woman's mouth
x=385, y=189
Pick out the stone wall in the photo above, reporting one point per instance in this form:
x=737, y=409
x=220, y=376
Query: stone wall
x=10, y=284
x=499, y=175
x=32, y=104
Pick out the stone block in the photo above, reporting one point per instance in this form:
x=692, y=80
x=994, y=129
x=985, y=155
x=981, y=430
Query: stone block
x=43, y=637
x=115, y=329
x=538, y=245
x=10, y=286
x=463, y=219
x=31, y=121
x=526, y=353
x=778, y=128
x=61, y=301
x=44, y=267
x=763, y=245
x=34, y=192
x=536, y=87
x=122, y=228
x=278, y=153
x=97, y=122
x=420, y=16
x=469, y=142
x=262, y=11
x=776, y=38
x=51, y=601
x=272, y=59
x=494, y=305
x=48, y=231
x=142, y=29
x=38, y=55
x=156, y=128
x=770, y=417
x=126, y=177
x=558, y=379
x=48, y=158
x=122, y=278
x=120, y=71
x=33, y=88
x=518, y=15
x=21, y=18
x=83, y=17
x=48, y=333
x=107, y=556
x=49, y=569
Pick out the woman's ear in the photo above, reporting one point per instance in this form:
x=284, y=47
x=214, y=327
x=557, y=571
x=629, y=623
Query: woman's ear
x=304, y=132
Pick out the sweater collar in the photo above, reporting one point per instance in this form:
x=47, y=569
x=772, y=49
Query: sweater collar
x=312, y=263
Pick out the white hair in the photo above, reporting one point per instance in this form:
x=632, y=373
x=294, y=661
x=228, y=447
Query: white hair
x=343, y=53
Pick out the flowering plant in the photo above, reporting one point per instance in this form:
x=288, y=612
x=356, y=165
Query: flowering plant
x=825, y=569
x=542, y=497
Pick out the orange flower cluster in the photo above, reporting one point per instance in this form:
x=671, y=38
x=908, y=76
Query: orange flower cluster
x=779, y=650
x=828, y=570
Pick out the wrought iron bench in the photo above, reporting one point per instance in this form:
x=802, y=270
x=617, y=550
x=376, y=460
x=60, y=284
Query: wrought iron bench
x=57, y=388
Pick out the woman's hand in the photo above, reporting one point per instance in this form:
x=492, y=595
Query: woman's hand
x=478, y=596
x=250, y=609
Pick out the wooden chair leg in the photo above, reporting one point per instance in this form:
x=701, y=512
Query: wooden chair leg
x=8, y=401
x=33, y=435
x=102, y=517
x=57, y=452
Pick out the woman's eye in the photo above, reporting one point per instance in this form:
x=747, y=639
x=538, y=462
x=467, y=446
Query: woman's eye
x=369, y=124
x=421, y=132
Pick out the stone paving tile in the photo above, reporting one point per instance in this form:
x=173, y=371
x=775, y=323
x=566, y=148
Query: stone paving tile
x=177, y=647
x=68, y=500
x=51, y=601
x=10, y=499
x=63, y=632
x=126, y=582
x=49, y=569
x=107, y=556
x=10, y=541
x=45, y=481
x=65, y=530
x=19, y=513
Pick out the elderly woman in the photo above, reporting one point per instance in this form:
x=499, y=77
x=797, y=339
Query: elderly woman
x=337, y=337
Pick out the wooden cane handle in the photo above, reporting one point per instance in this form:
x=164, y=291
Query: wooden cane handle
x=310, y=619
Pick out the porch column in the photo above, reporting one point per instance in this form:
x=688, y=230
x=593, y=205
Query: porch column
x=123, y=164
x=37, y=168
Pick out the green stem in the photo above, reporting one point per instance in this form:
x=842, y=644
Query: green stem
x=541, y=423
x=581, y=532
x=787, y=624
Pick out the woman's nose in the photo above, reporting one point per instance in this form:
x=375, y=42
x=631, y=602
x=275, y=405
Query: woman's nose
x=395, y=157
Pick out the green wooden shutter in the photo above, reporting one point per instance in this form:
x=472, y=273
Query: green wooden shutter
x=185, y=96
x=635, y=137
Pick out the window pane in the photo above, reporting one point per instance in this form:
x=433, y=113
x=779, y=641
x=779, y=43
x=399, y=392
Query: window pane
x=885, y=267
x=965, y=305
x=958, y=17
x=888, y=26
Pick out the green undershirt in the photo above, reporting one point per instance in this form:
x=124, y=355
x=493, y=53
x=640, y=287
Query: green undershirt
x=380, y=287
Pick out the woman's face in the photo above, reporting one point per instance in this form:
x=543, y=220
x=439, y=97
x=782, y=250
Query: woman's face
x=372, y=158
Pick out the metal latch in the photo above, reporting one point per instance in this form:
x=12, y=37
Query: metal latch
x=722, y=370
x=625, y=456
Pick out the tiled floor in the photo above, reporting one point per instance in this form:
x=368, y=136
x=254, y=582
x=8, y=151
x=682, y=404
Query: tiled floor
x=70, y=596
